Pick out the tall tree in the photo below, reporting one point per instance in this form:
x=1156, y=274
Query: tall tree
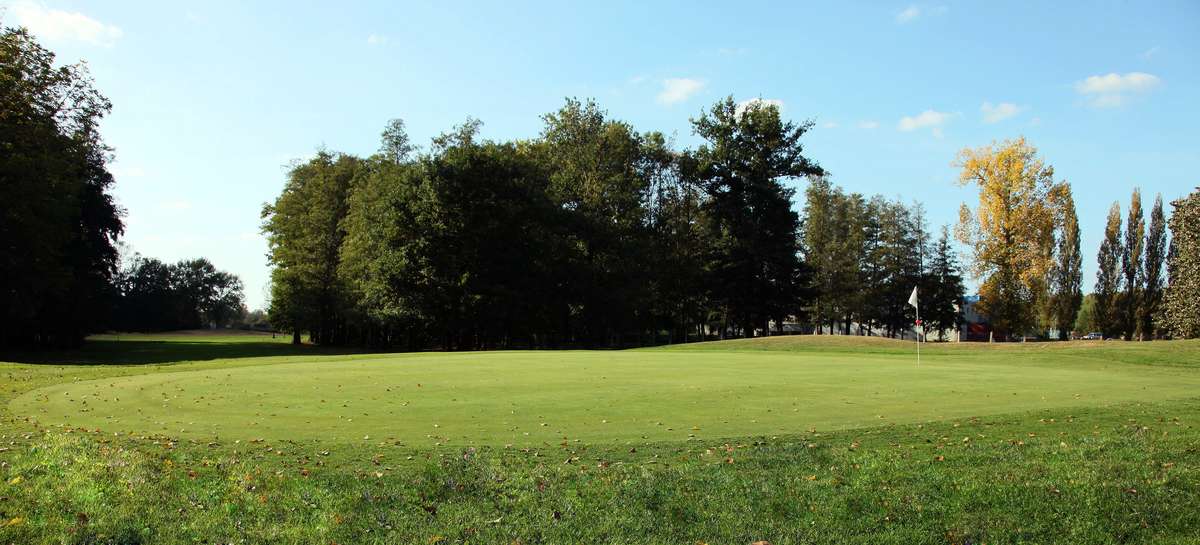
x=1181, y=302
x=1011, y=232
x=749, y=152
x=305, y=231
x=943, y=295
x=59, y=223
x=598, y=170
x=1131, y=266
x=1156, y=250
x=1108, y=278
x=1067, y=275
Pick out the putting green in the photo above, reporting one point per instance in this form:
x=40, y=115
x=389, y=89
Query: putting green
x=530, y=398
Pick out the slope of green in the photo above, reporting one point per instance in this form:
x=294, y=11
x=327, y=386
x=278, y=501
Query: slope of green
x=974, y=463
x=529, y=398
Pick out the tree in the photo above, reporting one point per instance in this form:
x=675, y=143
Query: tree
x=155, y=296
x=305, y=231
x=944, y=291
x=598, y=170
x=1085, y=320
x=1181, y=301
x=1011, y=232
x=1067, y=275
x=754, y=258
x=1131, y=266
x=1108, y=277
x=1156, y=249
x=60, y=224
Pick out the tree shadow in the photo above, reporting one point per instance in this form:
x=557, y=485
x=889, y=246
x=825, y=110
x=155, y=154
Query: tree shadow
x=143, y=352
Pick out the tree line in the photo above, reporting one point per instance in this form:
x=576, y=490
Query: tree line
x=592, y=234
x=155, y=296
x=1132, y=298
x=60, y=276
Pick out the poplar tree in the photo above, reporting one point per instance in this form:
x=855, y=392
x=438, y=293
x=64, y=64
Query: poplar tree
x=1156, y=250
x=1106, y=313
x=1131, y=266
x=1067, y=275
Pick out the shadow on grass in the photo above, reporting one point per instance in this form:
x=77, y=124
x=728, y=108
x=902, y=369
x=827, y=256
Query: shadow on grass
x=142, y=352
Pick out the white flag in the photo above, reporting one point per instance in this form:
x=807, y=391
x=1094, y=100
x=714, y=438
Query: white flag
x=912, y=299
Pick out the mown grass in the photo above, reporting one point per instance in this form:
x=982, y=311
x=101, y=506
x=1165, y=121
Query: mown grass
x=1122, y=473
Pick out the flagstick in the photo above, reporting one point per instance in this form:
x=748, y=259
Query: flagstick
x=918, y=334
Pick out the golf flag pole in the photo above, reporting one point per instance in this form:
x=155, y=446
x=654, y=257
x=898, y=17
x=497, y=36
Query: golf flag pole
x=912, y=300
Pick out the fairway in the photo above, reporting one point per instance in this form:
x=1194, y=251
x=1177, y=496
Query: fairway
x=531, y=398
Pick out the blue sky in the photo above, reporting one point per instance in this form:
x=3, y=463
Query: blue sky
x=211, y=100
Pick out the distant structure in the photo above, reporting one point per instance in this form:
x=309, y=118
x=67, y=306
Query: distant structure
x=975, y=325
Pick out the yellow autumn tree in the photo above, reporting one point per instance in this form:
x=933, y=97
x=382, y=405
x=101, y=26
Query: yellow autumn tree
x=1011, y=233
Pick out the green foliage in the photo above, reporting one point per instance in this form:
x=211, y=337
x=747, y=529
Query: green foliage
x=753, y=257
x=1085, y=319
x=1108, y=278
x=1131, y=267
x=59, y=223
x=1181, y=302
x=305, y=230
x=1156, y=254
x=1066, y=278
x=154, y=296
x=944, y=289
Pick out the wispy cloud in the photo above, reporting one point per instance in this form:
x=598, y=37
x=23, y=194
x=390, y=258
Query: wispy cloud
x=829, y=125
x=995, y=113
x=1151, y=53
x=868, y=124
x=676, y=90
x=757, y=103
x=930, y=119
x=56, y=24
x=377, y=39
x=914, y=12
x=908, y=14
x=1112, y=90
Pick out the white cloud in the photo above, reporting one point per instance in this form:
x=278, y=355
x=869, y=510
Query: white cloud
x=1111, y=90
x=868, y=124
x=829, y=125
x=994, y=113
x=56, y=24
x=757, y=103
x=676, y=90
x=1117, y=83
x=928, y=118
x=377, y=39
x=909, y=13
x=1150, y=53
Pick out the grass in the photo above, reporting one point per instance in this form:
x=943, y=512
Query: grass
x=790, y=440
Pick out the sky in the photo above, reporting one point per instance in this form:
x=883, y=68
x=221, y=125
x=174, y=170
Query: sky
x=211, y=100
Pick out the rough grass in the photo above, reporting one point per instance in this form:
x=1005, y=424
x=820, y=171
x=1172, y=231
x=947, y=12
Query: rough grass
x=1123, y=472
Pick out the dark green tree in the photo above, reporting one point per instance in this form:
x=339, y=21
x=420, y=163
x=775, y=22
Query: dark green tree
x=941, y=302
x=1131, y=267
x=1156, y=253
x=59, y=223
x=1066, y=277
x=753, y=261
x=305, y=231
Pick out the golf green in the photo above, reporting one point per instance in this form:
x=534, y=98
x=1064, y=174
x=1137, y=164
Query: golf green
x=531, y=398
